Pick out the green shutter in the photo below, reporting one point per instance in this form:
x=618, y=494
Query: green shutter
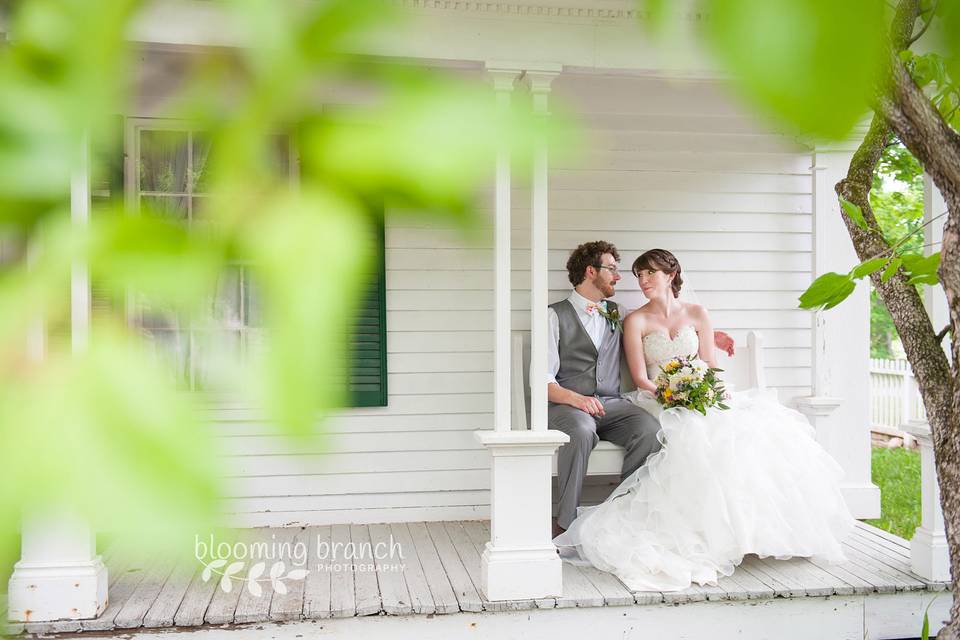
x=368, y=375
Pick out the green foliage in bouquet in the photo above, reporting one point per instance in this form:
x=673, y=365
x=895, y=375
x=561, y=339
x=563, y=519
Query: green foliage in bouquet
x=689, y=383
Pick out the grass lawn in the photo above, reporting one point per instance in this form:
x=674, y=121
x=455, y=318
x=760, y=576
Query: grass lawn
x=897, y=473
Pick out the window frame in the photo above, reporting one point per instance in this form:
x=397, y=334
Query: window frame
x=132, y=128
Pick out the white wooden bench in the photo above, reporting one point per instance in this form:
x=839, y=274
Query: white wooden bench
x=743, y=371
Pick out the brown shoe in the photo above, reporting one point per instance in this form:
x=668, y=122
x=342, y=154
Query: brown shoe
x=557, y=529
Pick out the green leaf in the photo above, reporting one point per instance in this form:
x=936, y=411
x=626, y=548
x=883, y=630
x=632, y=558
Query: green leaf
x=930, y=279
x=891, y=269
x=119, y=443
x=656, y=13
x=827, y=291
x=812, y=64
x=948, y=19
x=922, y=265
x=867, y=267
x=854, y=213
x=307, y=311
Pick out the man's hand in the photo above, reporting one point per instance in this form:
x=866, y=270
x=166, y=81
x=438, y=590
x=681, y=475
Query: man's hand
x=589, y=404
x=724, y=342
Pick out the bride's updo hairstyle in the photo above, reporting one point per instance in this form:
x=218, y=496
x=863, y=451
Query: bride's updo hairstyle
x=660, y=260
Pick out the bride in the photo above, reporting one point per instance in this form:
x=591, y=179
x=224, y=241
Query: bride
x=748, y=479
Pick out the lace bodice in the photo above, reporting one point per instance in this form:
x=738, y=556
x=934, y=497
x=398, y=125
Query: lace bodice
x=658, y=347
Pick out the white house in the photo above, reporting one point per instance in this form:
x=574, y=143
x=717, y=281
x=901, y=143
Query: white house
x=670, y=159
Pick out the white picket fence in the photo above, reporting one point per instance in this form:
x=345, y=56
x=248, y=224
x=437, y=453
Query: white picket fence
x=893, y=389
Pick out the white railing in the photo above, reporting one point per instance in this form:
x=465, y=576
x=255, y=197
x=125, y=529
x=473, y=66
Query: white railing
x=894, y=400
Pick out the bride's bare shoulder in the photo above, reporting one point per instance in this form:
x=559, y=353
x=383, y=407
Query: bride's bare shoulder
x=696, y=312
x=636, y=318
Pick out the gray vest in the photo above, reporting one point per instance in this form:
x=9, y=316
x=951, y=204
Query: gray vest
x=583, y=368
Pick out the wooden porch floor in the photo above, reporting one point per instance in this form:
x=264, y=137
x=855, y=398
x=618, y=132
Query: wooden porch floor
x=440, y=574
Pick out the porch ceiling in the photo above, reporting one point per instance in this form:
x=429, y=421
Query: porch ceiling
x=579, y=34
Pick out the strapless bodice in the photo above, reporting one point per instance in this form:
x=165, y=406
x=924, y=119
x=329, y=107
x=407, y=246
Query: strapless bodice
x=658, y=347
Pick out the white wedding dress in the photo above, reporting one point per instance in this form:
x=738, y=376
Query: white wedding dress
x=749, y=479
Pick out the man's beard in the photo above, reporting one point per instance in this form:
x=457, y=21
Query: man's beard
x=604, y=287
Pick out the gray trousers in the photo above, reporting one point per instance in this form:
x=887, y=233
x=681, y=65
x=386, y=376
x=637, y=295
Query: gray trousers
x=624, y=424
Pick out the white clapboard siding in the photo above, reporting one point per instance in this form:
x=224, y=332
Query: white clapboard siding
x=520, y=300
x=420, y=232
x=728, y=280
x=308, y=485
x=662, y=164
x=256, y=464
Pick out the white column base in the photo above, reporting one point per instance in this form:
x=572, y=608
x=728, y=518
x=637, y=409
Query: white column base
x=818, y=409
x=517, y=574
x=929, y=555
x=862, y=498
x=42, y=592
x=520, y=561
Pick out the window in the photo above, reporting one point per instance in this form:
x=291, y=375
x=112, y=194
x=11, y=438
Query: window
x=368, y=379
x=166, y=171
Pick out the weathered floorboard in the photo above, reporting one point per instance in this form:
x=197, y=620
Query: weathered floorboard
x=343, y=603
x=441, y=573
x=578, y=591
x=163, y=611
x=316, y=587
x=195, y=600
x=365, y=575
x=467, y=595
x=289, y=605
x=120, y=592
x=393, y=587
x=421, y=600
x=441, y=588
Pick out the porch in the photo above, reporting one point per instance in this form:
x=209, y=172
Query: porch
x=438, y=571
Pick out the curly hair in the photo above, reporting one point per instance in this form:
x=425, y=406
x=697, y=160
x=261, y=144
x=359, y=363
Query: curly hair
x=660, y=260
x=588, y=255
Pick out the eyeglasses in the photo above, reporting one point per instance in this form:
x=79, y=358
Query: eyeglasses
x=612, y=268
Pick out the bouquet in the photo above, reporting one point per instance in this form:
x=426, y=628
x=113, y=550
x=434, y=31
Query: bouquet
x=686, y=381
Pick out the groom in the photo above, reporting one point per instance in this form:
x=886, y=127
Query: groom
x=583, y=386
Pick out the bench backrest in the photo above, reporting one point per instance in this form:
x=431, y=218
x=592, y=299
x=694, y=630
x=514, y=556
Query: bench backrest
x=742, y=371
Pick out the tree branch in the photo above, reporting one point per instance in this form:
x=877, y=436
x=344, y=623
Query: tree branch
x=943, y=333
x=901, y=298
x=932, y=11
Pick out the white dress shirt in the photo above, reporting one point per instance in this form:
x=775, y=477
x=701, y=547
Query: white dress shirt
x=594, y=323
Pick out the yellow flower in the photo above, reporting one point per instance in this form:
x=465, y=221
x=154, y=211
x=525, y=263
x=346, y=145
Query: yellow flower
x=667, y=394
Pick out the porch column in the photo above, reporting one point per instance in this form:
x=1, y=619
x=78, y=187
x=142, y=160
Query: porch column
x=839, y=408
x=934, y=208
x=929, y=554
x=540, y=81
x=519, y=561
x=59, y=575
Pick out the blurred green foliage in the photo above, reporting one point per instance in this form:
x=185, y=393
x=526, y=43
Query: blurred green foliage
x=814, y=68
x=897, y=202
x=102, y=429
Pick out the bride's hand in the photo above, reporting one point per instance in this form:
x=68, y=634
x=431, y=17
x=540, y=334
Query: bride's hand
x=723, y=342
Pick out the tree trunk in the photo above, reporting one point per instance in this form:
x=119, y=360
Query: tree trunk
x=903, y=108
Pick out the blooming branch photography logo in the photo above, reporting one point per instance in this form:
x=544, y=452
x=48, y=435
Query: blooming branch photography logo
x=280, y=563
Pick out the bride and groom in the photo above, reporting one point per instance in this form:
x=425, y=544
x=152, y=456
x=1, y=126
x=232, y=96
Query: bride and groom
x=698, y=491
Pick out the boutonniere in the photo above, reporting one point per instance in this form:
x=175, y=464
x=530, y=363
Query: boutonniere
x=613, y=318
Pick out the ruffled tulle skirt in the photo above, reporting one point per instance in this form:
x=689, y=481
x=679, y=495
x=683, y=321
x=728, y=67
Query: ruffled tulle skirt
x=750, y=479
